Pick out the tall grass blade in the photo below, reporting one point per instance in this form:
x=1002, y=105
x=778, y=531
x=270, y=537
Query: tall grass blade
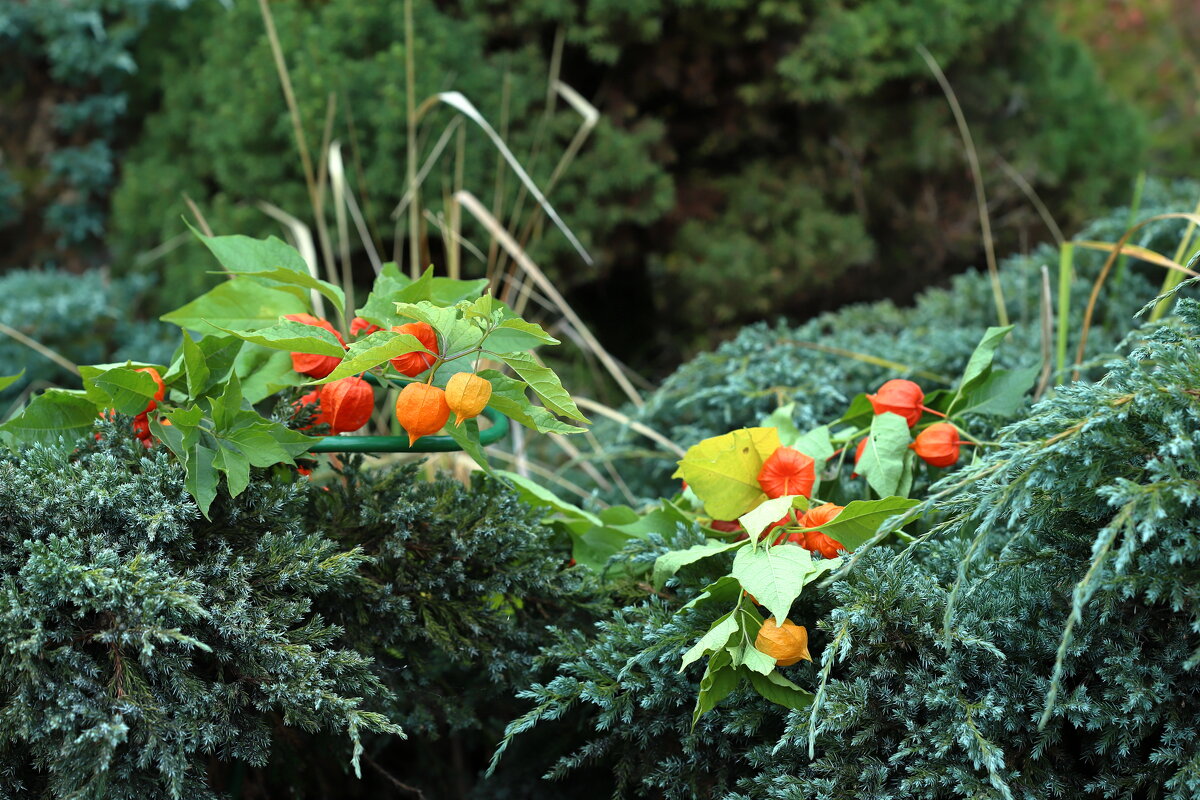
x=477, y=210
x=985, y=222
x=1135, y=205
x=1047, y=318
x=1066, y=258
x=629, y=422
x=460, y=103
x=1172, y=279
x=1108, y=265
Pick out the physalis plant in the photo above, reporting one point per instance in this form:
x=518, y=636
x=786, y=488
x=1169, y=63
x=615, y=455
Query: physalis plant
x=776, y=499
x=254, y=337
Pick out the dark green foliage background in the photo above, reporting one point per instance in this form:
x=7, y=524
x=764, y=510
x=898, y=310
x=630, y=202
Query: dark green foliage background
x=66, y=77
x=751, y=158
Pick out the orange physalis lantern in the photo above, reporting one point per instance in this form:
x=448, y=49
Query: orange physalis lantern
x=421, y=410
x=467, y=395
x=347, y=404
x=413, y=364
x=311, y=364
x=817, y=541
x=787, y=471
x=899, y=397
x=786, y=643
x=938, y=445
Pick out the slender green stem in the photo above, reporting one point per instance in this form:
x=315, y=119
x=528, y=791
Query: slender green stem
x=1066, y=256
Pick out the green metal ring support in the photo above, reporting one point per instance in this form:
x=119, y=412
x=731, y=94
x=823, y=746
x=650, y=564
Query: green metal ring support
x=399, y=444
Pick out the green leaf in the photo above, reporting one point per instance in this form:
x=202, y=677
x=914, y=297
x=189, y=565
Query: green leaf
x=716, y=638
x=668, y=564
x=371, y=351
x=780, y=690
x=981, y=359
x=1001, y=393
x=236, y=305
x=294, y=337
x=984, y=353
x=264, y=372
x=509, y=398
x=723, y=470
x=122, y=388
x=467, y=437
x=439, y=291
x=774, y=575
x=859, y=521
x=380, y=307
x=449, y=291
x=781, y=420
x=269, y=259
x=182, y=433
x=765, y=515
x=195, y=367
x=882, y=462
x=816, y=445
x=593, y=546
x=537, y=495
x=220, y=355
x=54, y=413
x=723, y=590
x=9, y=380
x=544, y=383
x=227, y=407
x=516, y=334
x=858, y=413
x=201, y=481
x=753, y=659
x=264, y=442
x=719, y=680
x=233, y=462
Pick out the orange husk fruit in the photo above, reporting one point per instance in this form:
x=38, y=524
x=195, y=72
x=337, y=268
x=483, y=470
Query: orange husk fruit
x=938, y=445
x=141, y=429
x=413, y=364
x=899, y=397
x=347, y=404
x=421, y=410
x=312, y=364
x=817, y=541
x=787, y=471
x=362, y=327
x=158, y=394
x=313, y=397
x=467, y=394
x=786, y=643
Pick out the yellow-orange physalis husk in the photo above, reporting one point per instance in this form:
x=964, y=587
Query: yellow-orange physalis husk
x=413, y=364
x=422, y=410
x=467, y=394
x=347, y=404
x=787, y=643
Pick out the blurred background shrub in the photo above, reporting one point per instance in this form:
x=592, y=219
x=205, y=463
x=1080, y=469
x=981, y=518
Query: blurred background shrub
x=1149, y=53
x=750, y=159
x=86, y=318
x=65, y=81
